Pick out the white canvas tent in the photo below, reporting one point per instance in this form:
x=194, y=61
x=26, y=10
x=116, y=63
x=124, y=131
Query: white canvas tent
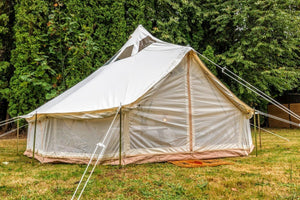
x=173, y=108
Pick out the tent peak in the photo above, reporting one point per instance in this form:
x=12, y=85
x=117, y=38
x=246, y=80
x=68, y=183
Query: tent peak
x=137, y=41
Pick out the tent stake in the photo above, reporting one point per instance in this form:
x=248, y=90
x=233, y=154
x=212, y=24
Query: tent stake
x=18, y=127
x=259, y=129
x=34, y=135
x=255, y=133
x=120, y=140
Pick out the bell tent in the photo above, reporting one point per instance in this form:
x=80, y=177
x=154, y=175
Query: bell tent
x=159, y=103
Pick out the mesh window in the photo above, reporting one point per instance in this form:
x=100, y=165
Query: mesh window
x=145, y=42
x=126, y=53
x=159, y=122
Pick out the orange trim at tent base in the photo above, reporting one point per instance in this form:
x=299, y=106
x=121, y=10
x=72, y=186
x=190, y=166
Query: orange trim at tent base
x=199, y=163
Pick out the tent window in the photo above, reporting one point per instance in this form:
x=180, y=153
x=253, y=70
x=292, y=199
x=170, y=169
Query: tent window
x=145, y=42
x=126, y=53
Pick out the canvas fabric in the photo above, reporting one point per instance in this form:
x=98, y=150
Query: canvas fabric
x=171, y=105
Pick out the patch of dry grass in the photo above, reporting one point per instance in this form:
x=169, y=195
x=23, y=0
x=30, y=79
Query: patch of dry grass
x=274, y=174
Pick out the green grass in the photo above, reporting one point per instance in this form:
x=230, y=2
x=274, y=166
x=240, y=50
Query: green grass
x=274, y=174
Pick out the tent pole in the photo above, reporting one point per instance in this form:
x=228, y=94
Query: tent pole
x=255, y=133
x=189, y=102
x=18, y=128
x=34, y=136
x=259, y=130
x=120, y=140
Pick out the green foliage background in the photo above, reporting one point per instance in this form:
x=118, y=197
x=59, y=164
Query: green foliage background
x=47, y=46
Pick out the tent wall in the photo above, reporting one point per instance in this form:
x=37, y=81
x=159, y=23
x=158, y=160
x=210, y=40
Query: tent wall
x=159, y=122
x=41, y=128
x=63, y=138
x=217, y=123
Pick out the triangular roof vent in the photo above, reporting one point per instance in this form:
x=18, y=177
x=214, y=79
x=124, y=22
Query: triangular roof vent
x=138, y=40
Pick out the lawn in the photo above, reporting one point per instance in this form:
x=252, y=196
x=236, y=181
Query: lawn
x=273, y=174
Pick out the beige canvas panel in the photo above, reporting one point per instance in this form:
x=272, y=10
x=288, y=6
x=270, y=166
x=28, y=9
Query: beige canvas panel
x=146, y=158
x=74, y=138
x=158, y=124
x=228, y=94
x=217, y=123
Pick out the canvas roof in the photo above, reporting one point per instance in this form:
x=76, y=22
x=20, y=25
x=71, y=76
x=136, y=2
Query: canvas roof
x=139, y=65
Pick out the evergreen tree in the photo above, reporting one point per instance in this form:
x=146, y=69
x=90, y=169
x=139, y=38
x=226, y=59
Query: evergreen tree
x=259, y=41
x=31, y=80
x=57, y=43
x=6, y=45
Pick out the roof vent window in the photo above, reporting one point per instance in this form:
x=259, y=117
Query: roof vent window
x=126, y=53
x=145, y=42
